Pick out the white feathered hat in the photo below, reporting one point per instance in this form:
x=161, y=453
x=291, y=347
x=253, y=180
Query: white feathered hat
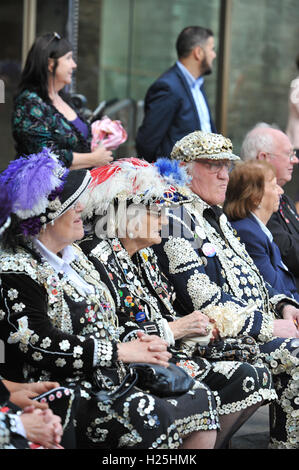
x=136, y=181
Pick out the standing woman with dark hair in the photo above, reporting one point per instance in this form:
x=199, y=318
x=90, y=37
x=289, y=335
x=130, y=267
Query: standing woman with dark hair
x=43, y=116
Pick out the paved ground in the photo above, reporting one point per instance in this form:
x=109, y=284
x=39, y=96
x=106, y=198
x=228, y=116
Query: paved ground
x=254, y=434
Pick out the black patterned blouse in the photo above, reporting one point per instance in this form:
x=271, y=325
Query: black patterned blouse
x=37, y=124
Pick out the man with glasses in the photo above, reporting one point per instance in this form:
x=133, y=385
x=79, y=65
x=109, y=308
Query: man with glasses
x=212, y=272
x=264, y=142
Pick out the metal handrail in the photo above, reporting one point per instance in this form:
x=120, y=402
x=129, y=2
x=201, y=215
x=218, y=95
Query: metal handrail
x=118, y=106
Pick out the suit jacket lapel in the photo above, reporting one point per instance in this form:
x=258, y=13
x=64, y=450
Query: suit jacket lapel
x=273, y=249
x=188, y=92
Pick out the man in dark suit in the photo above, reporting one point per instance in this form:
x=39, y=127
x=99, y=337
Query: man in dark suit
x=264, y=142
x=176, y=103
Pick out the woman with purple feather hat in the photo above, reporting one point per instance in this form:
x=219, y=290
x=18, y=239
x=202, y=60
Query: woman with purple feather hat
x=22, y=420
x=58, y=321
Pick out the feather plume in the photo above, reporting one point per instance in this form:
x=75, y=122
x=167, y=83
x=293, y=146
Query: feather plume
x=30, y=180
x=172, y=171
x=131, y=179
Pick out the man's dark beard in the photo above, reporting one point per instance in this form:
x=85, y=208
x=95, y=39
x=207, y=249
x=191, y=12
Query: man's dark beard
x=208, y=72
x=206, y=69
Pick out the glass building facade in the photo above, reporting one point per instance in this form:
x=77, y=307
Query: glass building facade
x=122, y=46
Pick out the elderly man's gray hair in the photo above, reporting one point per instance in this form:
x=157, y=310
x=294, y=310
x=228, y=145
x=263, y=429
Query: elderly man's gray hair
x=257, y=141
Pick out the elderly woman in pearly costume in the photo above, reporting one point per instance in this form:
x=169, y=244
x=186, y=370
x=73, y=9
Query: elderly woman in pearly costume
x=211, y=271
x=23, y=420
x=126, y=209
x=58, y=321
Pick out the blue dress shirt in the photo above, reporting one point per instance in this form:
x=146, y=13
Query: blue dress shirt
x=195, y=85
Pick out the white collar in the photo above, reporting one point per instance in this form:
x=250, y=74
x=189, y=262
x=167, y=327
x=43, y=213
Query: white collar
x=263, y=227
x=62, y=265
x=67, y=255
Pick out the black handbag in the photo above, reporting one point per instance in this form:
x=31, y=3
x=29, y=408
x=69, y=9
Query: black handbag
x=163, y=381
x=158, y=380
x=243, y=348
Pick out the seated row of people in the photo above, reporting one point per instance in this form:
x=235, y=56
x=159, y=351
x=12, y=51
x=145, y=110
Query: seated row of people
x=41, y=106
x=58, y=319
x=81, y=319
x=210, y=269
x=73, y=321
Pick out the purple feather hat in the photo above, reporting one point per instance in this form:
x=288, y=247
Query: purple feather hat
x=41, y=189
x=31, y=180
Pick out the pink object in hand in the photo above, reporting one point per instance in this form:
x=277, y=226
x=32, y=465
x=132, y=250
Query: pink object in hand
x=108, y=133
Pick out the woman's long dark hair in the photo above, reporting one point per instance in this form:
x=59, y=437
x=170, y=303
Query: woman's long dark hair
x=34, y=76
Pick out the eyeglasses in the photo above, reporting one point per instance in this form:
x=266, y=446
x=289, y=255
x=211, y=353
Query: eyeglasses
x=216, y=167
x=55, y=36
x=292, y=156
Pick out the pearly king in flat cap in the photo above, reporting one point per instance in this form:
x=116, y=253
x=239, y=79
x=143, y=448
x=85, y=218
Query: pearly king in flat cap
x=203, y=145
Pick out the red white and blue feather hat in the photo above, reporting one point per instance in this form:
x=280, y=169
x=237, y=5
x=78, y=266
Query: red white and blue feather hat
x=41, y=189
x=136, y=181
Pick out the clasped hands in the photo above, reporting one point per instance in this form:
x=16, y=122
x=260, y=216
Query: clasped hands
x=41, y=425
x=147, y=348
x=153, y=349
